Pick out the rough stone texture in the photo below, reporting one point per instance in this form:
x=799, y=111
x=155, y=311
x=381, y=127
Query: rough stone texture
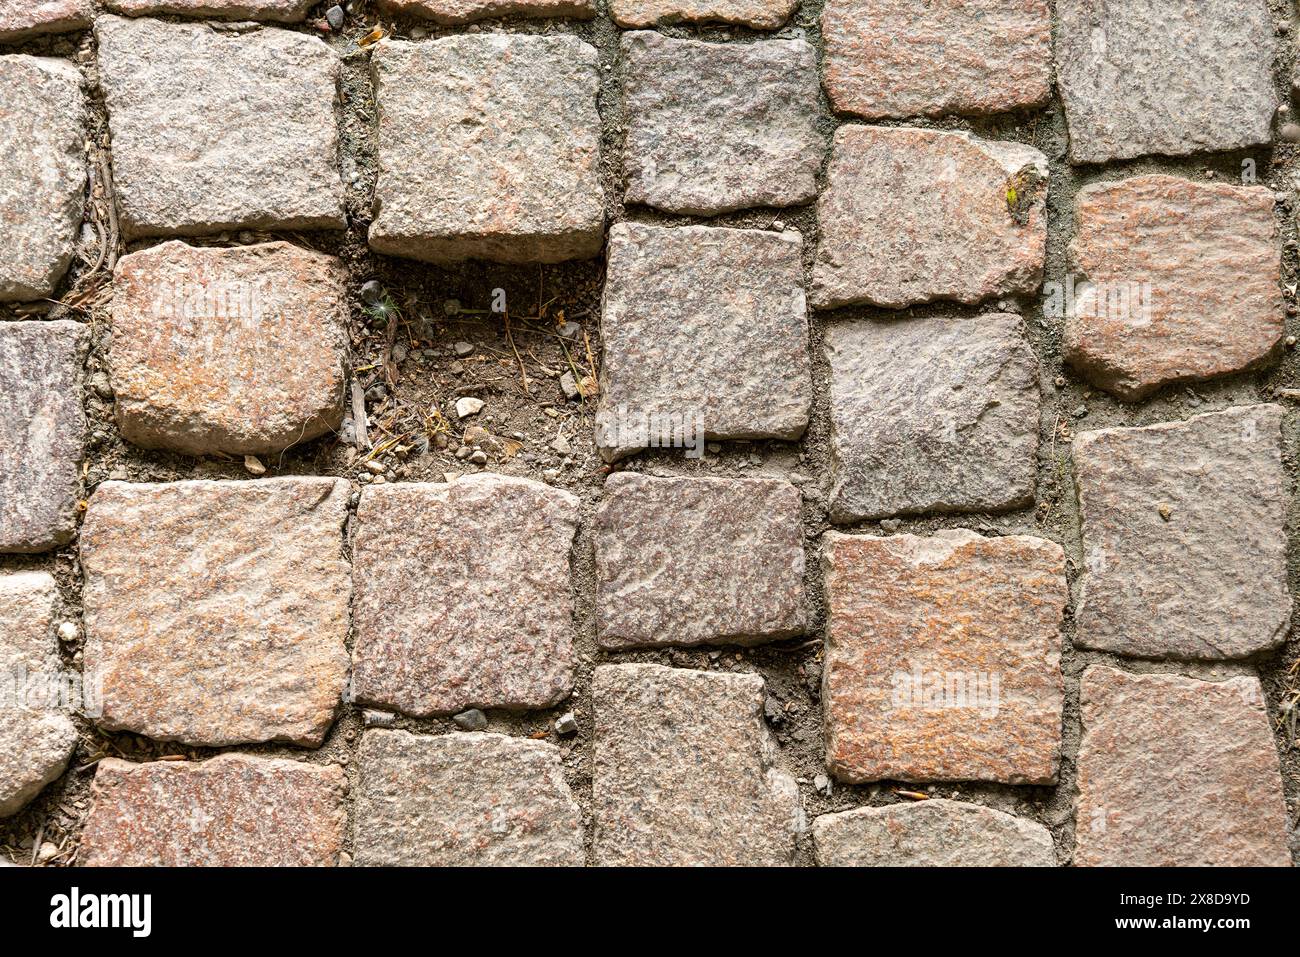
x=730, y=571
x=216, y=612
x=931, y=415
x=467, y=11
x=214, y=131
x=918, y=630
x=760, y=14
x=898, y=58
x=20, y=19
x=1175, y=772
x=463, y=595
x=934, y=833
x=1210, y=259
x=913, y=215
x=459, y=799
x=713, y=127
x=1164, y=76
x=489, y=148
x=1208, y=580
x=43, y=178
x=42, y=433
x=706, y=324
x=36, y=735
x=235, y=810
x=239, y=350
x=684, y=771
x=281, y=11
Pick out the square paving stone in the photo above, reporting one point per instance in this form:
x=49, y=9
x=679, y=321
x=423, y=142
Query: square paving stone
x=943, y=657
x=215, y=130
x=900, y=58
x=464, y=597
x=760, y=14
x=911, y=216
x=1177, y=772
x=713, y=127
x=931, y=415
x=684, y=771
x=462, y=800
x=705, y=331
x=489, y=148
x=934, y=833
x=1183, y=282
x=43, y=178
x=1184, y=536
x=467, y=11
x=239, y=350
x=1173, y=77
x=42, y=433
x=37, y=736
x=21, y=19
x=216, y=613
x=727, y=569
x=281, y=11
x=235, y=810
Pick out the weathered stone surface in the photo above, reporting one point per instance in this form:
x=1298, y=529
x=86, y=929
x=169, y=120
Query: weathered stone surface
x=467, y=11
x=713, y=127
x=760, y=14
x=898, y=58
x=281, y=11
x=704, y=327
x=42, y=433
x=1184, y=540
x=214, y=131
x=459, y=799
x=235, y=810
x=934, y=833
x=911, y=215
x=943, y=657
x=1184, y=282
x=463, y=595
x=1164, y=76
x=684, y=771
x=216, y=612
x=489, y=148
x=730, y=571
x=1176, y=772
x=931, y=415
x=43, y=178
x=238, y=350
x=20, y=19
x=36, y=734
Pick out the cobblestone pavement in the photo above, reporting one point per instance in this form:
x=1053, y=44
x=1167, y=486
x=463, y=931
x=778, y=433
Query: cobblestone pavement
x=655, y=432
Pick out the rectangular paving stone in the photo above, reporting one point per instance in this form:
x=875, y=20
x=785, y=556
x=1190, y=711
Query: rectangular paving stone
x=1184, y=540
x=1172, y=77
x=489, y=148
x=215, y=130
x=232, y=628
x=22, y=19
x=281, y=11
x=713, y=127
x=1183, y=282
x=760, y=14
x=931, y=415
x=462, y=800
x=943, y=657
x=911, y=216
x=705, y=330
x=43, y=181
x=1177, y=772
x=934, y=833
x=467, y=11
x=463, y=595
x=729, y=572
x=685, y=771
x=37, y=736
x=234, y=810
x=240, y=350
x=42, y=433
x=898, y=58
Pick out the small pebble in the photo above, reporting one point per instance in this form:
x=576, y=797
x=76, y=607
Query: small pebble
x=891, y=525
x=335, y=15
x=823, y=784
x=375, y=466
x=68, y=632
x=471, y=720
x=254, y=465
x=1165, y=511
x=566, y=723
x=463, y=348
x=378, y=719
x=1291, y=132
x=372, y=292
x=467, y=406
x=479, y=457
